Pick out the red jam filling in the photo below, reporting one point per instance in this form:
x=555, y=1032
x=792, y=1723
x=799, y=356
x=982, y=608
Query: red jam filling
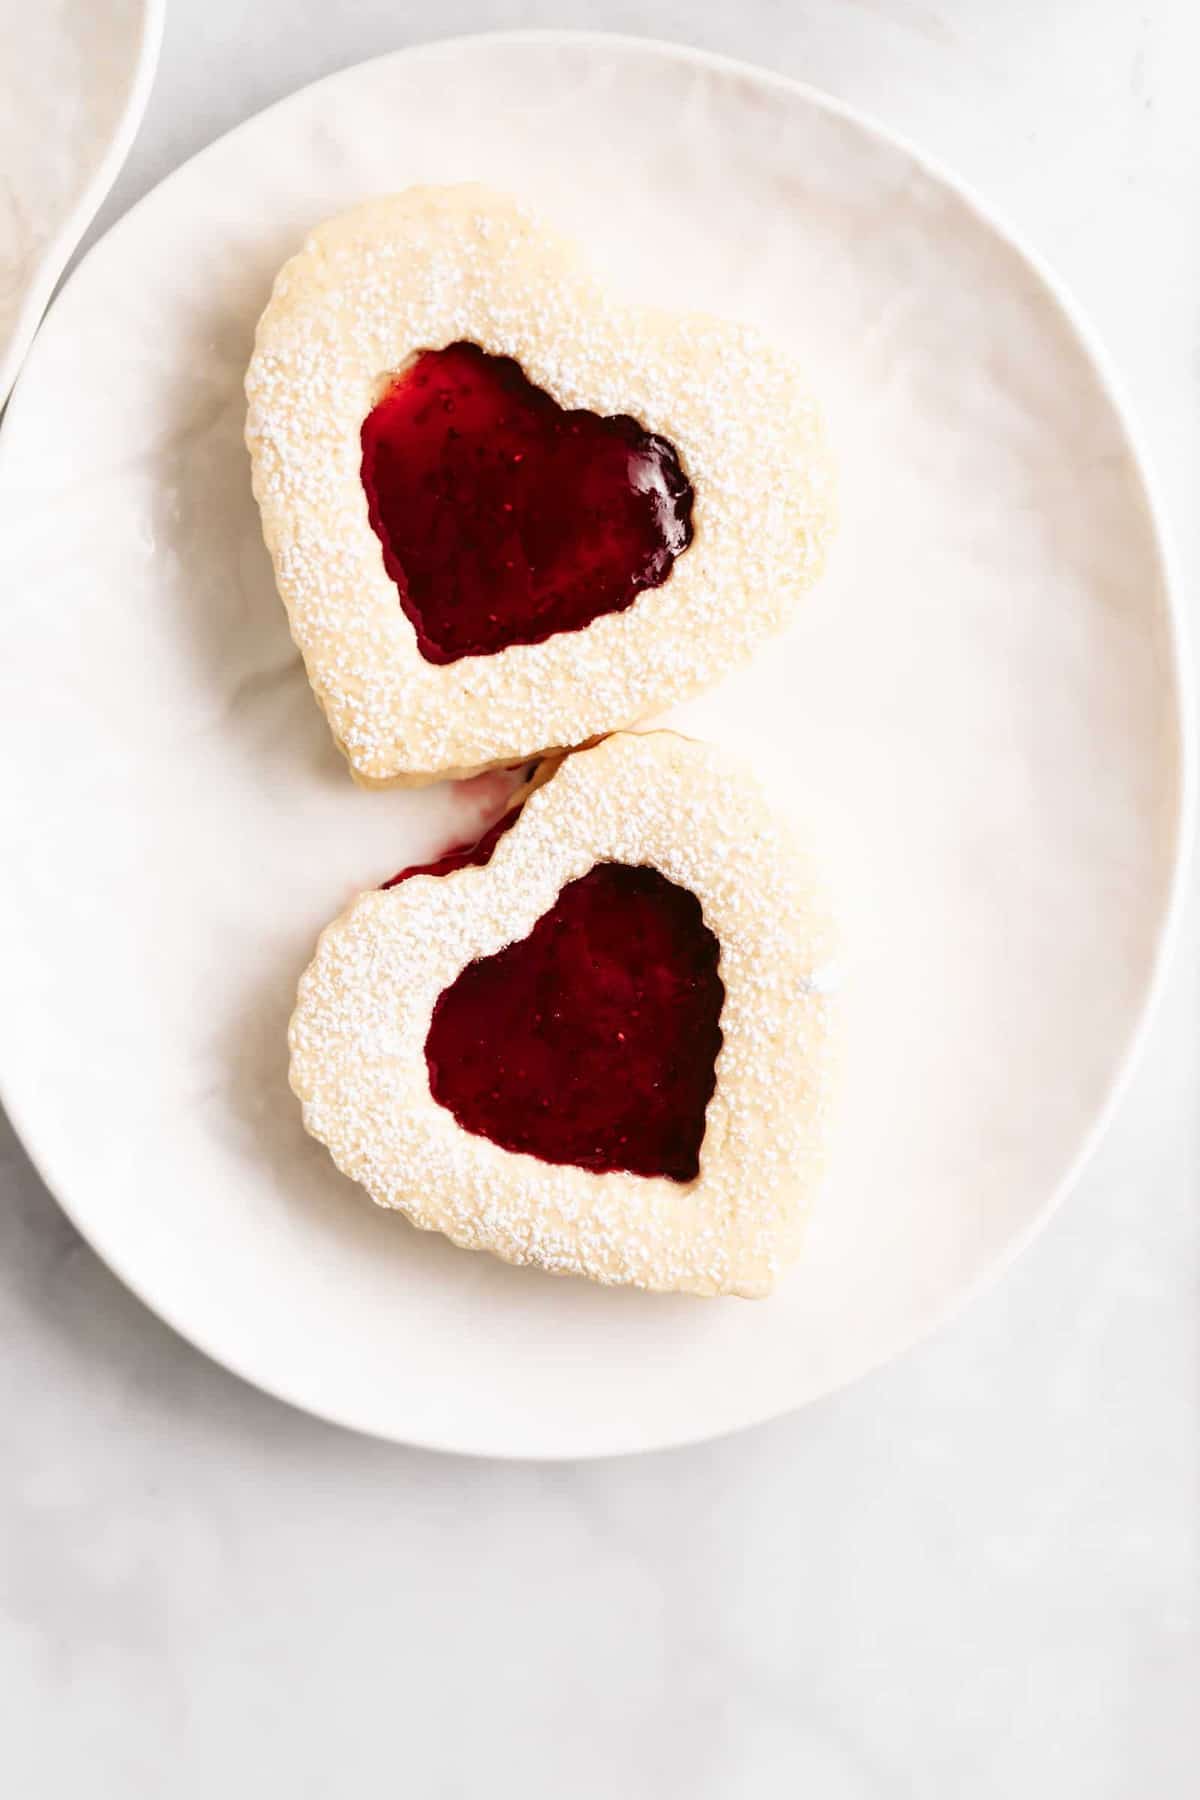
x=592, y=1041
x=504, y=519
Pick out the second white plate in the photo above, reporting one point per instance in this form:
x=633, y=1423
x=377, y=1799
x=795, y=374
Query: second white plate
x=978, y=712
x=81, y=72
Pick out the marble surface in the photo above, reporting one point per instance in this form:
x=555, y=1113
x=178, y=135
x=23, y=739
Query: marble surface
x=979, y=1571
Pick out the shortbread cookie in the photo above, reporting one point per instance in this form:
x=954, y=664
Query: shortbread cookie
x=596, y=1041
x=507, y=514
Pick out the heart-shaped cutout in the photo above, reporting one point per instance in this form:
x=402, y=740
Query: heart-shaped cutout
x=644, y=868
x=594, y=1040
x=505, y=519
x=699, y=504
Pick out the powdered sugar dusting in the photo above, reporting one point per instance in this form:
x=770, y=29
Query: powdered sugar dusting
x=428, y=268
x=365, y=1004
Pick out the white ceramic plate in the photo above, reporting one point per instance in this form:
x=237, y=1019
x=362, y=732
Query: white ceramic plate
x=74, y=83
x=979, y=712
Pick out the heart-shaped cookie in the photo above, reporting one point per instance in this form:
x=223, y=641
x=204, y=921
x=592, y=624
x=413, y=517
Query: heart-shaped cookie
x=506, y=514
x=604, y=1050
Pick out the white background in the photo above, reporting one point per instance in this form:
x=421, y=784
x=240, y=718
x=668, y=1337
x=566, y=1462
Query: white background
x=976, y=1574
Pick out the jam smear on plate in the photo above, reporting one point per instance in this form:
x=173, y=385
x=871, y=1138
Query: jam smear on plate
x=463, y=856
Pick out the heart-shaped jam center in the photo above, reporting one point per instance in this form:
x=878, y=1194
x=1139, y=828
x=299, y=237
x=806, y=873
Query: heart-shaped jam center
x=594, y=1040
x=505, y=519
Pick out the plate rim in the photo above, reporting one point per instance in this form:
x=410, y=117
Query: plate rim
x=1179, y=669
